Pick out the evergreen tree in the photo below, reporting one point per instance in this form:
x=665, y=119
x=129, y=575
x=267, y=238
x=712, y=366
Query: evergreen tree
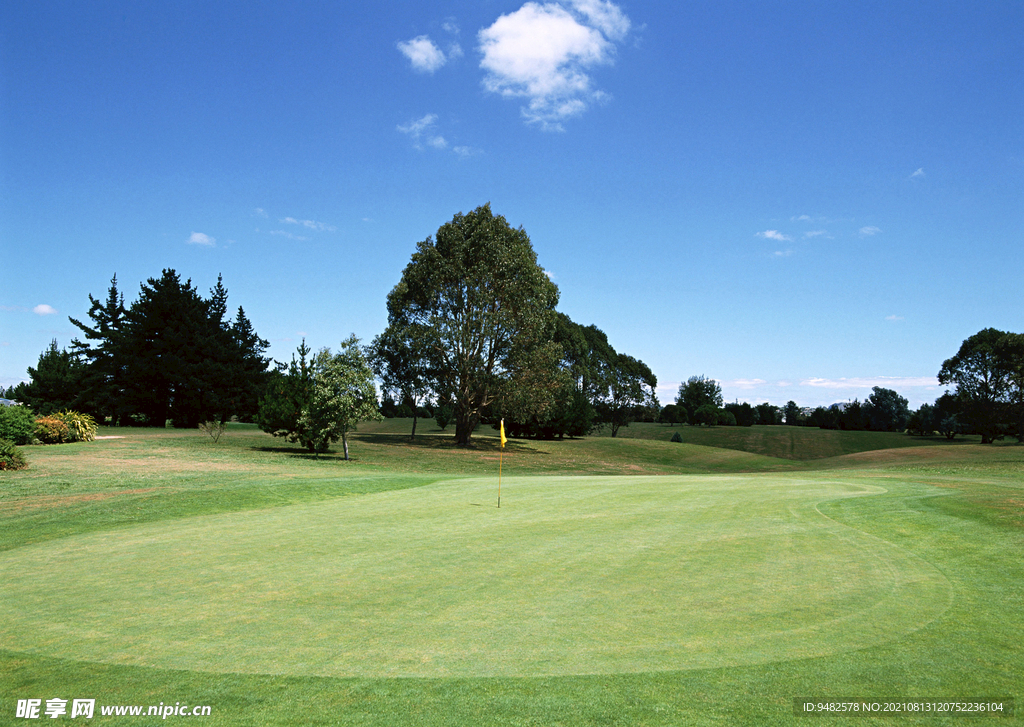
x=286, y=394
x=103, y=380
x=56, y=381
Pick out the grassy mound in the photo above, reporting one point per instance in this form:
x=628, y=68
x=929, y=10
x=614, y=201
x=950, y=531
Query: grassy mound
x=794, y=443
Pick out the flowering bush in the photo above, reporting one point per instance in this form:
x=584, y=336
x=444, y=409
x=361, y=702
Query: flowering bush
x=81, y=427
x=51, y=430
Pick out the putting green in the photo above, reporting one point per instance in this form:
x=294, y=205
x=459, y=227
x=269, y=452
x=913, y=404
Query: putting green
x=570, y=576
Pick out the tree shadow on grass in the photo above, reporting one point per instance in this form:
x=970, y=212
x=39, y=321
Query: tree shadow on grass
x=429, y=442
x=442, y=443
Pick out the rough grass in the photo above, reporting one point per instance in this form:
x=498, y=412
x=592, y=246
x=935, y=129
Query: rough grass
x=728, y=533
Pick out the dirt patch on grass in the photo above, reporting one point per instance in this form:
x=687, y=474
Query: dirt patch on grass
x=48, y=502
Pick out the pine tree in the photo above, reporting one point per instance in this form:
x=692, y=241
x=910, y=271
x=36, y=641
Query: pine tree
x=103, y=380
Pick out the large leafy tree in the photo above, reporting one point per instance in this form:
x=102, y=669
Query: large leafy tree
x=887, y=410
x=630, y=391
x=479, y=305
x=699, y=391
x=986, y=376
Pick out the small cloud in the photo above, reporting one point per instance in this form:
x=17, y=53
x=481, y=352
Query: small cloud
x=260, y=212
x=870, y=230
x=918, y=174
x=816, y=233
x=198, y=238
x=423, y=54
x=773, y=235
x=782, y=253
x=416, y=128
x=859, y=382
x=422, y=131
x=288, y=235
x=450, y=26
x=801, y=218
x=551, y=275
x=44, y=310
x=744, y=383
x=311, y=224
x=894, y=318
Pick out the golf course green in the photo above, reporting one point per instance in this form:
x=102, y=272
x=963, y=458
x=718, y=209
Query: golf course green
x=243, y=568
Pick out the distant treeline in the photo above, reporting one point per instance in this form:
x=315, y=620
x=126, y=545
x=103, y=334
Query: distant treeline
x=473, y=337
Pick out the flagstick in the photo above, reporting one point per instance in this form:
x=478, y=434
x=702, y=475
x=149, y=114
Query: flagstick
x=501, y=454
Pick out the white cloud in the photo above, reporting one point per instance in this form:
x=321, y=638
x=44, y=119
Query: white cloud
x=417, y=127
x=311, y=224
x=870, y=230
x=260, y=212
x=542, y=53
x=605, y=16
x=288, y=235
x=773, y=235
x=886, y=382
x=423, y=131
x=894, y=318
x=801, y=218
x=424, y=55
x=744, y=383
x=44, y=310
x=816, y=233
x=450, y=26
x=198, y=238
x=918, y=174
x=782, y=253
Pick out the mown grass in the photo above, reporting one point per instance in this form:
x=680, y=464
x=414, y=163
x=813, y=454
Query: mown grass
x=957, y=510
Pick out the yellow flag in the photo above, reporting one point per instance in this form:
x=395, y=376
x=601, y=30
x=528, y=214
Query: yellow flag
x=503, y=440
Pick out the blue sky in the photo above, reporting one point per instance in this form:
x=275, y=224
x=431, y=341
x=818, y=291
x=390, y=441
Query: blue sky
x=799, y=199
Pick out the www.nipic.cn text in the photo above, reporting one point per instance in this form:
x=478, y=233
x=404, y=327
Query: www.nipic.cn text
x=86, y=708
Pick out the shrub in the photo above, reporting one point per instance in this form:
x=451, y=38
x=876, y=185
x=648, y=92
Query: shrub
x=51, y=430
x=214, y=428
x=17, y=424
x=11, y=457
x=677, y=438
x=81, y=427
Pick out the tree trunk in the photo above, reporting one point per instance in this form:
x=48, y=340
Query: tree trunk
x=465, y=423
x=344, y=444
x=413, y=435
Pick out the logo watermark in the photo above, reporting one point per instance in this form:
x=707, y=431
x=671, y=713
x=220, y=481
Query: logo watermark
x=87, y=709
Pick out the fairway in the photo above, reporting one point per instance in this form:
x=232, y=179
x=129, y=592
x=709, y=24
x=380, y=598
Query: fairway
x=572, y=576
